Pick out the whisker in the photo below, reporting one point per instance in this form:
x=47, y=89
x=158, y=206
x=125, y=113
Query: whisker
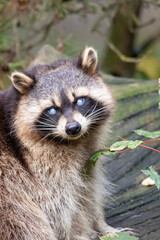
x=97, y=111
x=100, y=109
x=93, y=108
x=89, y=109
x=96, y=116
x=99, y=115
x=48, y=119
x=45, y=137
x=95, y=119
x=56, y=135
x=52, y=120
x=45, y=124
x=44, y=129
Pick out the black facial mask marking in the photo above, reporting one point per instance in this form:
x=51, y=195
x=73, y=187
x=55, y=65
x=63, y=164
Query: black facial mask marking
x=47, y=122
x=92, y=109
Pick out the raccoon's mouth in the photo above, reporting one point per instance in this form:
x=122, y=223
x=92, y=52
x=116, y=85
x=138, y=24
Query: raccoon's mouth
x=67, y=139
x=74, y=137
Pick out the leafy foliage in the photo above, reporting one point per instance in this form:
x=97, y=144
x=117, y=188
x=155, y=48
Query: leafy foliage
x=93, y=159
x=120, y=236
x=112, y=150
x=148, y=134
x=153, y=175
x=117, y=147
x=120, y=145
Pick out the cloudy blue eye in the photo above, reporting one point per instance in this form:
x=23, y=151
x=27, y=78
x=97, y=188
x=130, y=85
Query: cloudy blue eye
x=80, y=101
x=52, y=111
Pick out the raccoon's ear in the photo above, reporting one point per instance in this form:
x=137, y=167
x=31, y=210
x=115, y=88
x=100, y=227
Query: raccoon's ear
x=89, y=60
x=21, y=82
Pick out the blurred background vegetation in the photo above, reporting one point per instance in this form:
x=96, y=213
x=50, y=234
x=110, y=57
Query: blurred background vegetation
x=125, y=32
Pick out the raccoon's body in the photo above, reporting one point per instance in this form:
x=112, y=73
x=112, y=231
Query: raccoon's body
x=52, y=121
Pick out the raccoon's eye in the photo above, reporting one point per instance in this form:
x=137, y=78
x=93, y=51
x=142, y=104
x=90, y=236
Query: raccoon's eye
x=52, y=111
x=80, y=101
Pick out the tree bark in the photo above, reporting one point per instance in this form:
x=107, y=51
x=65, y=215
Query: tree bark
x=123, y=33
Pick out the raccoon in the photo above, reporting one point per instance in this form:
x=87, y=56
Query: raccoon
x=53, y=119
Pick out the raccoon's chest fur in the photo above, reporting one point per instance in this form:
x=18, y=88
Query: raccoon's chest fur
x=66, y=193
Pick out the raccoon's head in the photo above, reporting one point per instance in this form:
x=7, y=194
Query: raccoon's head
x=62, y=101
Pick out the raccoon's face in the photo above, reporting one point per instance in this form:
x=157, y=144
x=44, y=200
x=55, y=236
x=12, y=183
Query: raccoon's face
x=62, y=101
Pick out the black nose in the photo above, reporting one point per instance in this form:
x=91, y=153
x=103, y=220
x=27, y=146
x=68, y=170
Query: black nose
x=73, y=128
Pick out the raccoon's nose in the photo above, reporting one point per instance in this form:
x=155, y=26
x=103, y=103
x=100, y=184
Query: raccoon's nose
x=73, y=128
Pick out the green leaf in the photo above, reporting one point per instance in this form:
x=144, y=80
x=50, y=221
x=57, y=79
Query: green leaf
x=148, y=134
x=153, y=175
x=120, y=145
x=134, y=144
x=100, y=152
x=93, y=159
x=120, y=236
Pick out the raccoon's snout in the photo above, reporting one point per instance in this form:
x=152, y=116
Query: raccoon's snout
x=73, y=128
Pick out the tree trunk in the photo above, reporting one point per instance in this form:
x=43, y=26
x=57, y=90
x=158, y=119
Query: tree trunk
x=123, y=33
